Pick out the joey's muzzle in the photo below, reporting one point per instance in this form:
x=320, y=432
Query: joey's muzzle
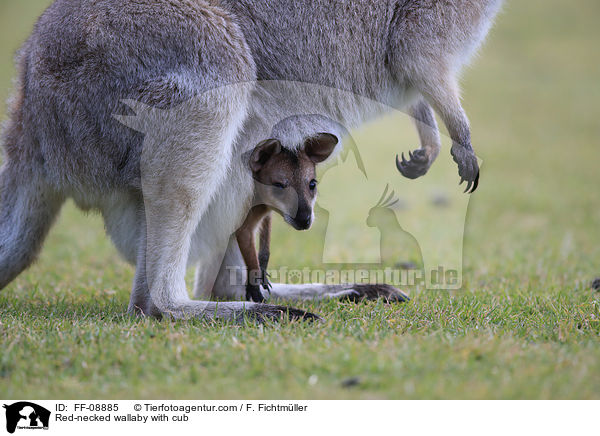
x=303, y=220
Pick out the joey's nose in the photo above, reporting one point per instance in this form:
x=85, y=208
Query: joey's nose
x=303, y=220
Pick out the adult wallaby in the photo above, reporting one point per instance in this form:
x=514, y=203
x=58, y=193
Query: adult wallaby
x=285, y=182
x=207, y=77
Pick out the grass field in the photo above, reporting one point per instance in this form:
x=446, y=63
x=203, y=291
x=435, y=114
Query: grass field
x=525, y=325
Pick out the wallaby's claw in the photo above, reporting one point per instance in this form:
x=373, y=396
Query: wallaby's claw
x=471, y=186
x=416, y=165
x=265, y=282
x=468, y=167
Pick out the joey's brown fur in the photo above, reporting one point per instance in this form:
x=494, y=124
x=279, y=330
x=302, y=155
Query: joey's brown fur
x=285, y=182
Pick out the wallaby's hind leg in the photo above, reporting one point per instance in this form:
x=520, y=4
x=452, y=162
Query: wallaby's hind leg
x=443, y=95
x=420, y=160
x=28, y=208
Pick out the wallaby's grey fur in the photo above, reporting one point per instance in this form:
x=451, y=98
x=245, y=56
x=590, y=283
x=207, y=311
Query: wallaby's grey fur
x=177, y=198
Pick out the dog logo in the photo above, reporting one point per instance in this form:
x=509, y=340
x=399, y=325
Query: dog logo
x=26, y=416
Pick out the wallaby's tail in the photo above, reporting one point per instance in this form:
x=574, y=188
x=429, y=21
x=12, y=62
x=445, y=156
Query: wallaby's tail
x=28, y=208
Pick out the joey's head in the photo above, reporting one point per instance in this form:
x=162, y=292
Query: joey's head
x=286, y=179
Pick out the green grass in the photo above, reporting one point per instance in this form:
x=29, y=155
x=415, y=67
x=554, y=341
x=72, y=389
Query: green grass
x=525, y=324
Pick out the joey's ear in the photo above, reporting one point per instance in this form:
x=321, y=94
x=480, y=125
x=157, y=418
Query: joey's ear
x=319, y=147
x=263, y=152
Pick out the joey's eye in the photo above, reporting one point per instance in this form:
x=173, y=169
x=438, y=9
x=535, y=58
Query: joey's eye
x=312, y=185
x=279, y=185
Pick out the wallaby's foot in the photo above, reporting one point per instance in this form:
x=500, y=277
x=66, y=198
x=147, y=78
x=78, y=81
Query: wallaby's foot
x=269, y=312
x=417, y=164
x=468, y=167
x=356, y=293
x=420, y=160
x=239, y=312
x=253, y=293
